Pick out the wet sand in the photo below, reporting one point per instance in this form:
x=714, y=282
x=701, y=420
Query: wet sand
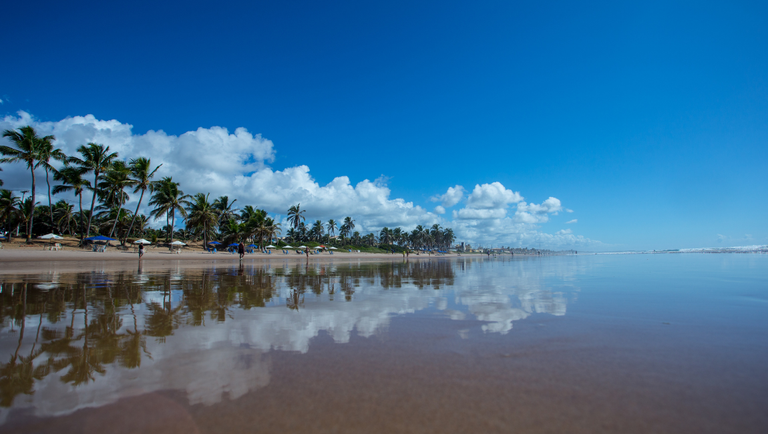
x=672, y=352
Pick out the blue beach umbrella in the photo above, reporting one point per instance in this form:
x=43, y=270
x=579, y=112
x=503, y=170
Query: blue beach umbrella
x=233, y=245
x=252, y=245
x=213, y=242
x=100, y=238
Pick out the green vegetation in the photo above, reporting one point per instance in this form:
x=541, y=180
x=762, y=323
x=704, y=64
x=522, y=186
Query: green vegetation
x=111, y=179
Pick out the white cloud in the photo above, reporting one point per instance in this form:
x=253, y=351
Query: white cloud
x=492, y=196
x=451, y=197
x=564, y=232
x=568, y=210
x=571, y=221
x=219, y=162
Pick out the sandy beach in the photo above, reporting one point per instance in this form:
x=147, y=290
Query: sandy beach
x=18, y=257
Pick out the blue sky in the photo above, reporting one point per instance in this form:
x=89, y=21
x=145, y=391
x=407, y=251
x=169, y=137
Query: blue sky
x=648, y=121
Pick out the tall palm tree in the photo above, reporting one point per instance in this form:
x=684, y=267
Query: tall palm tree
x=48, y=151
x=317, y=230
x=72, y=178
x=331, y=227
x=142, y=175
x=347, y=227
x=296, y=215
x=117, y=178
x=202, y=215
x=27, y=150
x=96, y=159
x=63, y=212
x=226, y=212
x=167, y=198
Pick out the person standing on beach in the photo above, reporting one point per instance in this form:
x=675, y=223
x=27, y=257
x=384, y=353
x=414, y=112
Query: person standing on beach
x=241, y=250
x=141, y=251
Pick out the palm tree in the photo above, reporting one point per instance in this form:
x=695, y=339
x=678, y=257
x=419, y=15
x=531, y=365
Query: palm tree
x=167, y=198
x=347, y=227
x=226, y=212
x=47, y=151
x=113, y=188
x=202, y=215
x=295, y=215
x=63, y=213
x=9, y=206
x=96, y=159
x=317, y=230
x=27, y=149
x=72, y=177
x=331, y=227
x=385, y=236
x=142, y=177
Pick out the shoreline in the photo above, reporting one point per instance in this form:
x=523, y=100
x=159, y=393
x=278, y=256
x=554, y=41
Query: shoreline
x=29, y=260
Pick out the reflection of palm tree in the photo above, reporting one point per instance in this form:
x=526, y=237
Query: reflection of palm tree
x=295, y=300
x=161, y=321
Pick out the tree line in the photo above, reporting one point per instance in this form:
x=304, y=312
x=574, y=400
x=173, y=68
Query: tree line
x=97, y=170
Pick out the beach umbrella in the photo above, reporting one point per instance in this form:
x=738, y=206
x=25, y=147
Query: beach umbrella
x=178, y=243
x=50, y=237
x=213, y=242
x=233, y=245
x=252, y=245
x=332, y=248
x=302, y=247
x=321, y=246
x=141, y=241
x=100, y=238
x=288, y=247
x=270, y=246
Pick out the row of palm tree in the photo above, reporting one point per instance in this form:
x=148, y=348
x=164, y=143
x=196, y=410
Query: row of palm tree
x=98, y=170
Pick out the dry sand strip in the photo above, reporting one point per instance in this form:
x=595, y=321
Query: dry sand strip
x=31, y=260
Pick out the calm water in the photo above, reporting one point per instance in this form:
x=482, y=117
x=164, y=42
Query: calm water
x=662, y=343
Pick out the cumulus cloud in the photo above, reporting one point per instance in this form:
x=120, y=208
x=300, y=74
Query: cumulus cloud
x=451, y=197
x=571, y=221
x=492, y=196
x=237, y=163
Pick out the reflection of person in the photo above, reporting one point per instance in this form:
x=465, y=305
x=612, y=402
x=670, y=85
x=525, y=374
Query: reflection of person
x=241, y=249
x=141, y=250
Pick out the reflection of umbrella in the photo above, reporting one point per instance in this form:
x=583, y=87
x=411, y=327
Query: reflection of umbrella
x=270, y=246
x=178, y=243
x=213, y=242
x=141, y=241
x=100, y=238
x=50, y=237
x=332, y=248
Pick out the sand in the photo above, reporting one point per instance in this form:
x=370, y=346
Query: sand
x=17, y=257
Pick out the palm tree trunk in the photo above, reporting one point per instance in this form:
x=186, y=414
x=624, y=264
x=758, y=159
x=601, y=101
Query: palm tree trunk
x=82, y=220
x=32, y=210
x=50, y=206
x=93, y=203
x=173, y=223
x=127, y=234
x=119, y=208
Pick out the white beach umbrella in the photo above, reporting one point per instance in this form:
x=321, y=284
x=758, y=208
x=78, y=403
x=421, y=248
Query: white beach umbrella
x=141, y=241
x=302, y=247
x=50, y=237
x=178, y=243
x=270, y=246
x=287, y=247
x=332, y=248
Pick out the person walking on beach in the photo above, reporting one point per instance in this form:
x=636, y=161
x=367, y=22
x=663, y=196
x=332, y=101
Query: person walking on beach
x=141, y=250
x=241, y=250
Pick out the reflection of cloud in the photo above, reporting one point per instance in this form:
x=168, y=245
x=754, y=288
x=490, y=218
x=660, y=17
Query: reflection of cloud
x=230, y=356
